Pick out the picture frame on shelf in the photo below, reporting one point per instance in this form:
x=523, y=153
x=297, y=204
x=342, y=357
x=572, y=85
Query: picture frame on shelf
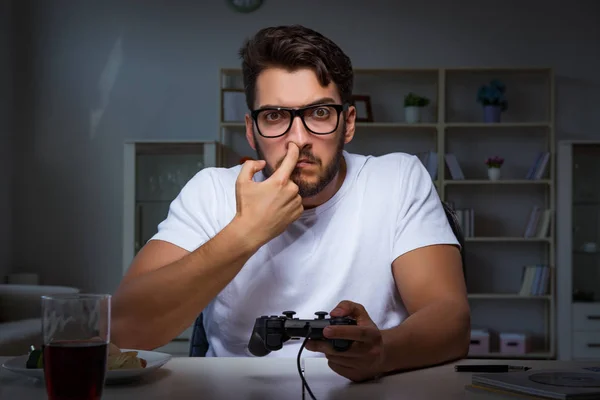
x=364, y=111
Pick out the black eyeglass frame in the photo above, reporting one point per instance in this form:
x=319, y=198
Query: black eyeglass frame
x=299, y=112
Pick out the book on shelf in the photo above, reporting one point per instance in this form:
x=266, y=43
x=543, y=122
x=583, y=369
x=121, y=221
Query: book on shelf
x=429, y=160
x=539, y=166
x=538, y=223
x=535, y=280
x=454, y=167
x=466, y=221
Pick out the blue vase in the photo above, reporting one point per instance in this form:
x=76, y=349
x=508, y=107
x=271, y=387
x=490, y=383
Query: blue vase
x=491, y=113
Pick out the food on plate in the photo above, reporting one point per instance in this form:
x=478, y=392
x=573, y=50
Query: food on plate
x=35, y=359
x=117, y=359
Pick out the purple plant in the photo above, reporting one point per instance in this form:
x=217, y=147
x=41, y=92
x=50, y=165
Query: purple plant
x=494, y=162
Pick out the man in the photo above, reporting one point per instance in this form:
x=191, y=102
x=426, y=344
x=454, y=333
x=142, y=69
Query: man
x=307, y=227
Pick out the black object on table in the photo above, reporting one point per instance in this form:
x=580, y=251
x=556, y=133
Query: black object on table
x=490, y=368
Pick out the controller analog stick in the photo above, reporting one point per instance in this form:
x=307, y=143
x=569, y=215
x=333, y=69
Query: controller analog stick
x=289, y=314
x=321, y=314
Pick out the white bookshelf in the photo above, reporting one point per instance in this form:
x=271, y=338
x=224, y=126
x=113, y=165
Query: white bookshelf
x=498, y=250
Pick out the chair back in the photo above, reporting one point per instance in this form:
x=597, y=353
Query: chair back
x=198, y=341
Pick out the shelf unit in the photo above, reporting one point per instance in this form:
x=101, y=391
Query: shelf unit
x=453, y=122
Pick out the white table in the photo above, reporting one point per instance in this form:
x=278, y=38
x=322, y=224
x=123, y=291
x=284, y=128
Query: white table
x=440, y=382
x=273, y=378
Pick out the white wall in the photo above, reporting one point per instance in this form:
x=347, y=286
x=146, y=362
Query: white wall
x=68, y=225
x=6, y=138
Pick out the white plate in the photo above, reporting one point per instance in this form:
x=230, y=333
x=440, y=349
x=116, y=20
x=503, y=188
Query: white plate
x=154, y=360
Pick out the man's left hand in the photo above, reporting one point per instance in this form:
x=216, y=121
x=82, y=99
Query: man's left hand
x=364, y=359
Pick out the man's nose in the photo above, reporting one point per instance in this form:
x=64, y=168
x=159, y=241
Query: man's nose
x=298, y=134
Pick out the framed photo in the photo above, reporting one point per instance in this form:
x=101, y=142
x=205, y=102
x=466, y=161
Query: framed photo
x=362, y=103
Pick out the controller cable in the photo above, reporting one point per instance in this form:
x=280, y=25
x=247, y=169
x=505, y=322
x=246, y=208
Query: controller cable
x=304, y=383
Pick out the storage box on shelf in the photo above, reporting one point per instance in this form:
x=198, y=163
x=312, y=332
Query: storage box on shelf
x=514, y=343
x=483, y=341
x=504, y=220
x=578, y=289
x=154, y=174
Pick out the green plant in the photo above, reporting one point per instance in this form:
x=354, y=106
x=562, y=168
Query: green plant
x=414, y=100
x=493, y=94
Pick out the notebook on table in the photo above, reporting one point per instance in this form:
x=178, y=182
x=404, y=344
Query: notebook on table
x=569, y=384
x=476, y=392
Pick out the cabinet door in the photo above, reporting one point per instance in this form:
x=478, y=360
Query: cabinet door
x=586, y=223
x=155, y=173
x=148, y=215
x=161, y=171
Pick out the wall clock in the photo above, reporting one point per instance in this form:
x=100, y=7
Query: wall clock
x=245, y=6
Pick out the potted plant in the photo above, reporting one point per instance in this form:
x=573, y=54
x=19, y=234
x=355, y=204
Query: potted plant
x=493, y=100
x=494, y=164
x=412, y=107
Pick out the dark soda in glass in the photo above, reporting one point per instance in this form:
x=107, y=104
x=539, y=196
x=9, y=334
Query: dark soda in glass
x=76, y=332
x=75, y=369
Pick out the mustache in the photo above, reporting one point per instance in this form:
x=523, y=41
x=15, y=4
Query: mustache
x=304, y=153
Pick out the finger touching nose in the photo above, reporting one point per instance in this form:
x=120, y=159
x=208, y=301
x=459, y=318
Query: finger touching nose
x=298, y=133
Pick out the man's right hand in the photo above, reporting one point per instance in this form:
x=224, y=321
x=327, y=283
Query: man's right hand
x=267, y=208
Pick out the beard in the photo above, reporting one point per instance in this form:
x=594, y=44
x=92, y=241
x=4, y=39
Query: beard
x=325, y=175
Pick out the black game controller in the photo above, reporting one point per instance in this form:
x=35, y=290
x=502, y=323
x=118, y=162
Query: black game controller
x=270, y=332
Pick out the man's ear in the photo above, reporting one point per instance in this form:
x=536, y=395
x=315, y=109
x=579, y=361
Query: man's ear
x=350, y=116
x=250, y=132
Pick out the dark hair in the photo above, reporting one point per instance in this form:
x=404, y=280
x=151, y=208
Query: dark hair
x=292, y=47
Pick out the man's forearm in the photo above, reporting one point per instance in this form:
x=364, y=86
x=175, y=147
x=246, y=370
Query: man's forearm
x=151, y=309
x=436, y=334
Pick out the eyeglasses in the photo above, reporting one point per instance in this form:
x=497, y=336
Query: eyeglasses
x=320, y=119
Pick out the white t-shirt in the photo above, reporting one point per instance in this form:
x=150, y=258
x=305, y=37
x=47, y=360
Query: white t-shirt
x=341, y=250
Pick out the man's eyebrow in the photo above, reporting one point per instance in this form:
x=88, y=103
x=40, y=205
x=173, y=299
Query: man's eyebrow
x=323, y=100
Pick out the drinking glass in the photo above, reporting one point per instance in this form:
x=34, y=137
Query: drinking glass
x=76, y=334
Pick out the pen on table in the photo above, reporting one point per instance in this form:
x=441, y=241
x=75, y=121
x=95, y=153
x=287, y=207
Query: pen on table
x=490, y=368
